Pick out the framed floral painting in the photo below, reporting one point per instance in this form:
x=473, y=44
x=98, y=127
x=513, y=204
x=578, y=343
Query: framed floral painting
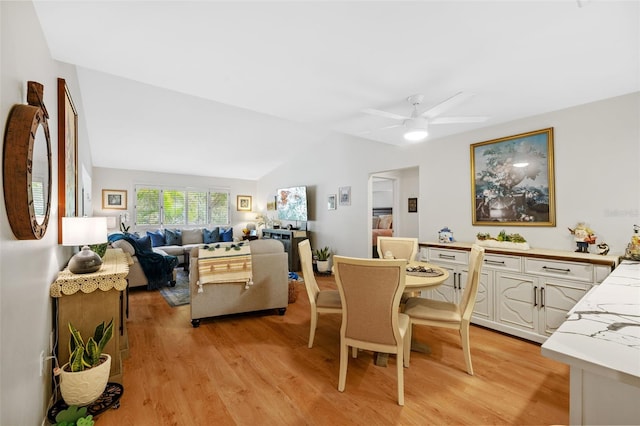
x=512, y=180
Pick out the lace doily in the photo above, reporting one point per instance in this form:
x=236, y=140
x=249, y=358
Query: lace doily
x=111, y=275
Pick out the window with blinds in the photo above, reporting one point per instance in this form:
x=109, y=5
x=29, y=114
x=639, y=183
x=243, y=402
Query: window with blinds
x=181, y=206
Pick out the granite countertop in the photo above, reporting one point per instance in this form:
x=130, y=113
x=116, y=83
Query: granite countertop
x=602, y=331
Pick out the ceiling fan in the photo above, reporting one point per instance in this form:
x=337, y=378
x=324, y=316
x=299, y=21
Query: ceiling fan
x=417, y=124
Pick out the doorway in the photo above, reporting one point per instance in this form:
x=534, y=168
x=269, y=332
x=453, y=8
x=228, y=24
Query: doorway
x=388, y=199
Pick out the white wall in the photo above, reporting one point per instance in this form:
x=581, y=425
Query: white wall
x=28, y=267
x=120, y=179
x=597, y=179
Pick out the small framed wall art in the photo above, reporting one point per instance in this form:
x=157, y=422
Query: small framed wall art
x=413, y=205
x=243, y=203
x=345, y=195
x=114, y=199
x=331, y=201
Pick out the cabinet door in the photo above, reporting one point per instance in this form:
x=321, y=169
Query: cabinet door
x=517, y=300
x=447, y=290
x=483, y=307
x=557, y=297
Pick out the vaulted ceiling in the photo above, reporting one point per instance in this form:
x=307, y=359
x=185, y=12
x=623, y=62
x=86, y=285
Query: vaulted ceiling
x=233, y=89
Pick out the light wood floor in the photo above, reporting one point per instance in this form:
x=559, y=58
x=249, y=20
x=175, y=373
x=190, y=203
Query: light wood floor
x=257, y=370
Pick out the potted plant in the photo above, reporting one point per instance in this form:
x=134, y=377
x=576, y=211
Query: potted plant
x=84, y=378
x=322, y=258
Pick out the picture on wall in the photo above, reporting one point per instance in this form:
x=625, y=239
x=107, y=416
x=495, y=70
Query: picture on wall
x=512, y=180
x=244, y=203
x=114, y=199
x=413, y=205
x=331, y=201
x=345, y=195
x=67, y=156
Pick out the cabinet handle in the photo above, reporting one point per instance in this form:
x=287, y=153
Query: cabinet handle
x=447, y=256
x=542, y=297
x=495, y=262
x=535, y=295
x=549, y=268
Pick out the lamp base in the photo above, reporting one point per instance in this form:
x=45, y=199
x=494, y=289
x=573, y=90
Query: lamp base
x=85, y=262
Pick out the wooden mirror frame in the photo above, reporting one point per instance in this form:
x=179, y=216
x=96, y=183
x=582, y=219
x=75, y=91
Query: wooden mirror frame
x=19, y=138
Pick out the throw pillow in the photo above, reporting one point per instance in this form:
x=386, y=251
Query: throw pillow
x=144, y=243
x=375, y=222
x=385, y=221
x=157, y=238
x=192, y=236
x=226, y=235
x=210, y=237
x=173, y=237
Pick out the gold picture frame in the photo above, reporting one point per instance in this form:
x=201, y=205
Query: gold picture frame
x=67, y=156
x=243, y=203
x=512, y=181
x=115, y=199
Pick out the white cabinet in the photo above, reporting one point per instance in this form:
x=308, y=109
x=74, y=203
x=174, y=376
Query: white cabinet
x=457, y=264
x=523, y=294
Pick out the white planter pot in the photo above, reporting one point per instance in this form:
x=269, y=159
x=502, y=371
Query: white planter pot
x=323, y=265
x=83, y=387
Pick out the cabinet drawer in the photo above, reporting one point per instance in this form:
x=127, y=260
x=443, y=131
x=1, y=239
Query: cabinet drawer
x=448, y=256
x=551, y=268
x=502, y=262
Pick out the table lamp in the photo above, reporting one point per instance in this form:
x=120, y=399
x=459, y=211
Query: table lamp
x=83, y=231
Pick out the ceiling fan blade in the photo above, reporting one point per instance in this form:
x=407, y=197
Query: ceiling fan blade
x=447, y=104
x=452, y=120
x=384, y=114
x=379, y=128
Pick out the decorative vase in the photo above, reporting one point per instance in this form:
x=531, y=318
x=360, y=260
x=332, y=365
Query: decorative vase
x=323, y=265
x=83, y=387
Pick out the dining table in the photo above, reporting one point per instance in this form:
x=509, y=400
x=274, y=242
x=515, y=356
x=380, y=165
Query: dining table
x=431, y=277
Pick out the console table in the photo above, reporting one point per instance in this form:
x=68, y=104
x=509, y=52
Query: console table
x=290, y=239
x=85, y=300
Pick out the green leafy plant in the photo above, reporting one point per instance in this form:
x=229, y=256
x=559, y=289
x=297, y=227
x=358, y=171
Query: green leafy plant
x=74, y=416
x=83, y=356
x=502, y=236
x=322, y=254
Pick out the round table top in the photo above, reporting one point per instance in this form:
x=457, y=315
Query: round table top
x=416, y=283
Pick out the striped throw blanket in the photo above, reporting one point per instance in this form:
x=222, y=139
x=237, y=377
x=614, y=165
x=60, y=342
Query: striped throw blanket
x=225, y=263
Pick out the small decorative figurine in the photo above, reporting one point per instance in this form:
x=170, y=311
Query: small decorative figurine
x=445, y=235
x=583, y=235
x=603, y=249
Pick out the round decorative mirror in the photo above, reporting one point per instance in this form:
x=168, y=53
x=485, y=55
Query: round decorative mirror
x=27, y=167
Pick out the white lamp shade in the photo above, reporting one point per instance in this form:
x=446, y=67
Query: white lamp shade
x=81, y=231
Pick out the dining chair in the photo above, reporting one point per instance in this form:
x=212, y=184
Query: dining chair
x=437, y=313
x=320, y=301
x=400, y=248
x=370, y=291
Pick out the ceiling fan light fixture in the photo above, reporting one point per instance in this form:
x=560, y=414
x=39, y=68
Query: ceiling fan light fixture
x=416, y=129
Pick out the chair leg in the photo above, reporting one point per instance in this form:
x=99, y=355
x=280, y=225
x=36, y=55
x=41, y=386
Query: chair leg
x=354, y=352
x=312, y=328
x=464, y=338
x=344, y=359
x=400, y=368
x=407, y=346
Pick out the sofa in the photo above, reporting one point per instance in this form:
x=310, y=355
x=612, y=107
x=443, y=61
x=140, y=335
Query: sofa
x=160, y=266
x=179, y=242
x=270, y=289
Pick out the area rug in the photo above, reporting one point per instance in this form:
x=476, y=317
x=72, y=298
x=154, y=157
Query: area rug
x=178, y=295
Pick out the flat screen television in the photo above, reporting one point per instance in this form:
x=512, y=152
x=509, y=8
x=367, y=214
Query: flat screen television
x=292, y=203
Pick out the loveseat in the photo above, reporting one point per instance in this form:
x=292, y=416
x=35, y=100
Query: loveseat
x=270, y=289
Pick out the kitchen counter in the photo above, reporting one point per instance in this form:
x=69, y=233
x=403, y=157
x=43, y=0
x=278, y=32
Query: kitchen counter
x=600, y=341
